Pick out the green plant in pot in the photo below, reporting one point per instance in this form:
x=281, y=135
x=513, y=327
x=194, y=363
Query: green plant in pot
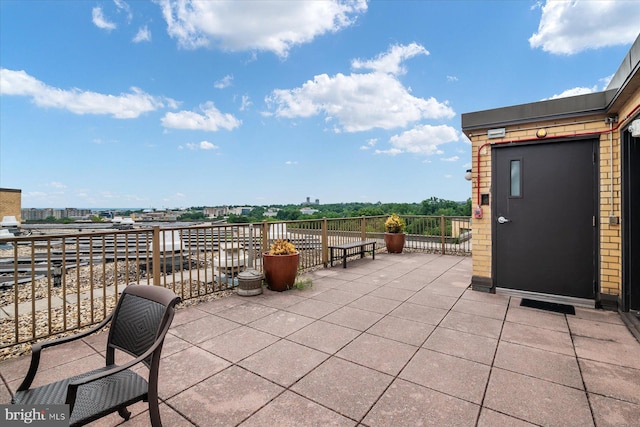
x=394, y=236
x=280, y=265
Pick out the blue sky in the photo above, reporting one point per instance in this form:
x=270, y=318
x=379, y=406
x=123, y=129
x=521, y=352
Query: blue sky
x=174, y=103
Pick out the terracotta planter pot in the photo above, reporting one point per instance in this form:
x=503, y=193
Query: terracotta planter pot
x=394, y=242
x=280, y=270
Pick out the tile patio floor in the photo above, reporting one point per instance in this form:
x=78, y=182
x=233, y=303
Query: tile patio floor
x=395, y=341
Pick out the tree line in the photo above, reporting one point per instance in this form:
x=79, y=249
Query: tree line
x=431, y=206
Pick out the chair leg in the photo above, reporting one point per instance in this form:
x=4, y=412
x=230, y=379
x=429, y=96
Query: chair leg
x=154, y=413
x=124, y=413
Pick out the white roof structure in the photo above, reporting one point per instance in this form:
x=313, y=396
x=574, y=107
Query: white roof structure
x=9, y=221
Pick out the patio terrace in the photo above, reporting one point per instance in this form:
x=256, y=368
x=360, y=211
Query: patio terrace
x=395, y=341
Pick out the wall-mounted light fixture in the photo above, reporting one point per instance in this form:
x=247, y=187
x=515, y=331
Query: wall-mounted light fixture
x=496, y=133
x=634, y=128
x=468, y=175
x=541, y=133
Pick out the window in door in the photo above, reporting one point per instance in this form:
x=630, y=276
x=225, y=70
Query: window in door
x=516, y=179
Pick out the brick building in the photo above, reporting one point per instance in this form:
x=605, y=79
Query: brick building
x=10, y=203
x=556, y=196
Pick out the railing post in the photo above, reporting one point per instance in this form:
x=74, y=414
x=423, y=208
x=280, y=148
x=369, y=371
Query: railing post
x=265, y=237
x=325, y=242
x=252, y=248
x=156, y=255
x=442, y=230
x=363, y=228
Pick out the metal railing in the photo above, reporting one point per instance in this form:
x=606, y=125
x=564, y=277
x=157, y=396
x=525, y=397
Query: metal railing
x=57, y=283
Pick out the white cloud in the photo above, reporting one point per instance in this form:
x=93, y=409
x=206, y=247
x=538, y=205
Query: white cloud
x=35, y=194
x=211, y=120
x=100, y=21
x=450, y=159
x=370, y=144
x=390, y=62
x=203, y=145
x=574, y=92
x=245, y=103
x=56, y=184
x=143, y=35
x=389, y=152
x=223, y=82
x=360, y=102
x=569, y=27
x=123, y=106
x=274, y=26
x=122, y=6
x=452, y=79
x=291, y=162
x=605, y=81
x=581, y=90
x=423, y=139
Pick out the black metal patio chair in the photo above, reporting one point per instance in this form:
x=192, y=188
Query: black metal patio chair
x=138, y=327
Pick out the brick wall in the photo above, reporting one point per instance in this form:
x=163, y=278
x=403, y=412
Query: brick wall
x=10, y=203
x=610, y=261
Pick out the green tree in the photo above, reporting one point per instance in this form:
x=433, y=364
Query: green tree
x=288, y=214
x=192, y=216
x=238, y=219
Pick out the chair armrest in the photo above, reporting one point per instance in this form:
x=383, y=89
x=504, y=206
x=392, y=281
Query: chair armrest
x=37, y=348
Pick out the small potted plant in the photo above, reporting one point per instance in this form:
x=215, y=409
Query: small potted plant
x=280, y=265
x=394, y=236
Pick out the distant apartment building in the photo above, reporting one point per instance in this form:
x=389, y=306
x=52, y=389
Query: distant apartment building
x=215, y=212
x=33, y=214
x=74, y=213
x=241, y=210
x=271, y=212
x=308, y=211
x=309, y=202
x=148, y=215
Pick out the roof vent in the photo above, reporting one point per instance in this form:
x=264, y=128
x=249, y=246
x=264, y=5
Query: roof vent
x=496, y=133
x=9, y=221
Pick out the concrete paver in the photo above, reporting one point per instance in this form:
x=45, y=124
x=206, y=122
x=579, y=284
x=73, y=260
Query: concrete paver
x=614, y=381
x=292, y=410
x=609, y=412
x=356, y=391
x=409, y=404
x=300, y=360
x=451, y=375
x=225, y=399
x=546, y=365
x=537, y=401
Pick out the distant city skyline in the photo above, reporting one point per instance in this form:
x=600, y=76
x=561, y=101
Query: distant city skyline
x=171, y=104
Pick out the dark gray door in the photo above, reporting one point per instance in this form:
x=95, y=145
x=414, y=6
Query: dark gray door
x=631, y=221
x=544, y=216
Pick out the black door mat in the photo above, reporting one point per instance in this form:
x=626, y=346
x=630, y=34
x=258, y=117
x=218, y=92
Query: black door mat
x=548, y=306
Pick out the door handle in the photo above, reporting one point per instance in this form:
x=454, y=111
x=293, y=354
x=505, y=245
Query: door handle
x=503, y=220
